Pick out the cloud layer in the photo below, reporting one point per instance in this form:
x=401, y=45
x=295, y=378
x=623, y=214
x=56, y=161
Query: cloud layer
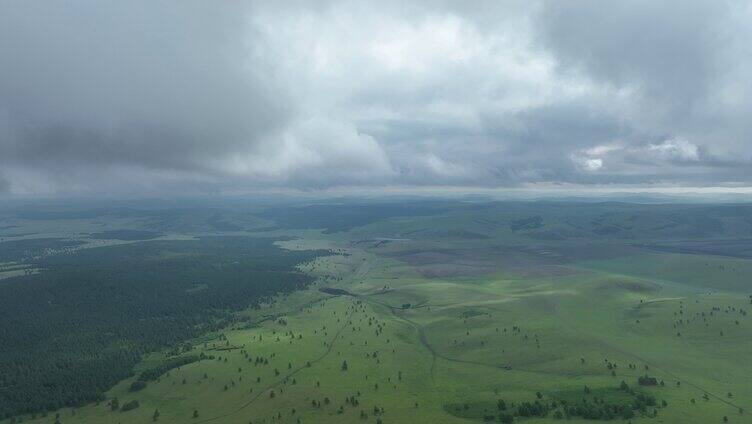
x=144, y=96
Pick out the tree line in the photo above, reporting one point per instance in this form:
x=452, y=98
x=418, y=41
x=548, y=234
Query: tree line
x=75, y=329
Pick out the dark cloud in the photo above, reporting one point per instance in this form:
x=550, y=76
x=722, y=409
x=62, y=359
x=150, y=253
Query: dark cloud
x=669, y=49
x=151, y=84
x=162, y=96
x=4, y=186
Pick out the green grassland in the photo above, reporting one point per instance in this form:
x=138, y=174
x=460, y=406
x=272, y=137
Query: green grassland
x=440, y=317
x=445, y=350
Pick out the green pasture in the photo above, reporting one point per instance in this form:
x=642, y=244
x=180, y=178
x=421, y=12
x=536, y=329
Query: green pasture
x=445, y=349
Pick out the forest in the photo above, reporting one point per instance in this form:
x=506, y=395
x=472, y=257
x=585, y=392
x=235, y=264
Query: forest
x=79, y=326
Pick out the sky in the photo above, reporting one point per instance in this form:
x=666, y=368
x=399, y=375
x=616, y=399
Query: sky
x=156, y=97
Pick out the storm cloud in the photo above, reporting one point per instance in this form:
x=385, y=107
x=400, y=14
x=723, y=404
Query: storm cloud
x=163, y=96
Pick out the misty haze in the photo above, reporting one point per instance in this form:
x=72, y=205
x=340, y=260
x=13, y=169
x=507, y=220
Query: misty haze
x=258, y=212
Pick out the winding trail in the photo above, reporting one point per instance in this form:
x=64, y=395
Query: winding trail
x=415, y=325
x=423, y=338
x=671, y=374
x=434, y=354
x=284, y=378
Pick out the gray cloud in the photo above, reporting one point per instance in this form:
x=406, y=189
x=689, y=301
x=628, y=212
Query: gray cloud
x=144, y=83
x=4, y=185
x=667, y=49
x=101, y=96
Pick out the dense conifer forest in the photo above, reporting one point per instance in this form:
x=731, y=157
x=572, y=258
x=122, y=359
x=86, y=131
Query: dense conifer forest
x=77, y=327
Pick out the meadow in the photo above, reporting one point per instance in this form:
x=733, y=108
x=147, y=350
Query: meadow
x=442, y=326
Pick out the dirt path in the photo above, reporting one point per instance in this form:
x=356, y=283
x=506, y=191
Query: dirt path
x=281, y=381
x=671, y=374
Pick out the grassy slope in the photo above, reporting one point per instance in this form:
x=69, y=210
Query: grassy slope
x=449, y=351
x=704, y=272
